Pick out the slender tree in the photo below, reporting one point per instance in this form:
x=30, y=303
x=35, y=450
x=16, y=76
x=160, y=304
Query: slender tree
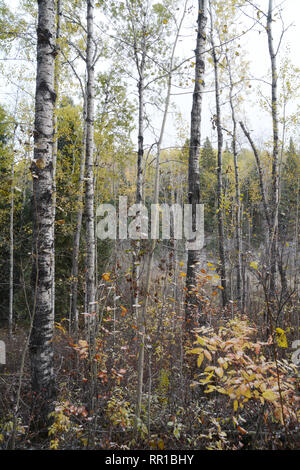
x=11, y=232
x=194, y=154
x=238, y=234
x=77, y=233
x=89, y=162
x=156, y=222
x=55, y=143
x=275, y=167
x=220, y=194
x=41, y=346
x=90, y=210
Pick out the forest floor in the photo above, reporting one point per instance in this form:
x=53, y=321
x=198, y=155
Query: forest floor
x=181, y=417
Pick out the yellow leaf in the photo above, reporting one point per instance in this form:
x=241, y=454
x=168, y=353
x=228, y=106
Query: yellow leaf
x=205, y=381
x=200, y=359
x=235, y=405
x=281, y=338
x=40, y=163
x=195, y=351
x=208, y=355
x=219, y=371
x=270, y=395
x=200, y=341
x=254, y=265
x=210, y=389
x=161, y=444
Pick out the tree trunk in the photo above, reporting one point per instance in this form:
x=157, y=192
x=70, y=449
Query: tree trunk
x=153, y=242
x=41, y=346
x=275, y=169
x=76, y=241
x=89, y=175
x=140, y=65
x=220, y=194
x=11, y=232
x=11, y=251
x=239, y=277
x=55, y=143
x=89, y=213
x=194, y=154
x=260, y=176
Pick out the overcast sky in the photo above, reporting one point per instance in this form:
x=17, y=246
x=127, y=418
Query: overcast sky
x=254, y=43
x=256, y=48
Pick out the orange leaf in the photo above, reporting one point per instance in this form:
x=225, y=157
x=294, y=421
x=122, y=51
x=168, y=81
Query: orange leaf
x=106, y=276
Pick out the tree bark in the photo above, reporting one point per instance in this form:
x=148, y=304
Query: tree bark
x=90, y=214
x=238, y=235
x=55, y=143
x=192, y=303
x=89, y=175
x=11, y=232
x=140, y=63
x=220, y=193
x=274, y=258
x=11, y=250
x=260, y=176
x=41, y=346
x=76, y=241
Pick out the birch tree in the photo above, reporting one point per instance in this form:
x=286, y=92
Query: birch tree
x=55, y=144
x=41, y=346
x=220, y=195
x=89, y=162
x=194, y=155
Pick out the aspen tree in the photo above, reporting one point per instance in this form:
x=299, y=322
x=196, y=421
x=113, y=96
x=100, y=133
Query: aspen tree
x=41, y=346
x=220, y=193
x=194, y=155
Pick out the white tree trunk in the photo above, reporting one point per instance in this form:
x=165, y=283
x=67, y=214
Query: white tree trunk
x=41, y=346
x=89, y=162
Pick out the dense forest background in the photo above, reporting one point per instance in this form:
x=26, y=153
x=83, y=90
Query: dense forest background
x=145, y=344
